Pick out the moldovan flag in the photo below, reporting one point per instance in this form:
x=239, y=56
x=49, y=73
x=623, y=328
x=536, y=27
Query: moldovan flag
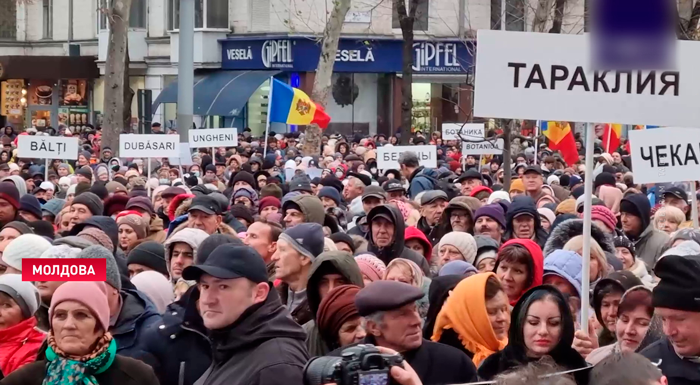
x=561, y=139
x=292, y=106
x=611, y=137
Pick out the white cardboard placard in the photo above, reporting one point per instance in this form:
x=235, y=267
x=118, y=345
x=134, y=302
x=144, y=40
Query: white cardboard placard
x=214, y=137
x=149, y=146
x=665, y=154
x=483, y=147
x=527, y=75
x=450, y=131
x=47, y=147
x=185, y=158
x=388, y=156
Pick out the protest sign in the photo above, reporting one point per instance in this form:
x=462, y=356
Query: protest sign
x=665, y=154
x=47, y=147
x=148, y=146
x=185, y=158
x=527, y=75
x=483, y=147
x=216, y=137
x=451, y=131
x=388, y=156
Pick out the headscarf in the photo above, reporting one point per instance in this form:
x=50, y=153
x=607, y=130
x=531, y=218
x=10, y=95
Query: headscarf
x=65, y=369
x=611, y=196
x=158, y=288
x=417, y=279
x=465, y=312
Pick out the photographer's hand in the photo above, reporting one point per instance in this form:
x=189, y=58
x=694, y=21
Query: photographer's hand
x=405, y=375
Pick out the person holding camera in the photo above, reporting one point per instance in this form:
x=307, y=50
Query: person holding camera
x=392, y=321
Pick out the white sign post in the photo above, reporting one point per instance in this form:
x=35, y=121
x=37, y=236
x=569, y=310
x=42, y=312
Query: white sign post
x=47, y=147
x=483, y=147
x=214, y=137
x=149, y=146
x=388, y=156
x=527, y=75
x=451, y=131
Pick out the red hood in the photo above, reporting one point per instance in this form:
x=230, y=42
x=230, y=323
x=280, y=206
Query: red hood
x=537, y=261
x=175, y=203
x=413, y=233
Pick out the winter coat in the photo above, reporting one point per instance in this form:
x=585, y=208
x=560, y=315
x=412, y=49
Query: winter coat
x=310, y=206
x=515, y=353
x=19, y=345
x=302, y=313
x=263, y=347
x=190, y=236
x=438, y=292
x=639, y=269
x=570, y=228
x=178, y=346
x=537, y=263
x=434, y=363
x=568, y=265
x=137, y=315
x=678, y=371
x=525, y=205
x=422, y=179
x=432, y=233
x=329, y=262
x=444, y=226
x=650, y=244
x=123, y=371
x=397, y=248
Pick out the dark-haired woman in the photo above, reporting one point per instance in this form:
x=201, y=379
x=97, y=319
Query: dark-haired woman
x=519, y=267
x=541, y=325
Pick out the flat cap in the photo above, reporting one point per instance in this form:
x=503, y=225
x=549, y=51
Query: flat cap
x=385, y=295
x=374, y=191
x=433, y=195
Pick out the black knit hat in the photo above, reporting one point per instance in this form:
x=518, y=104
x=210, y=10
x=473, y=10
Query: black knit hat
x=244, y=176
x=9, y=192
x=623, y=241
x=345, y=238
x=84, y=171
x=150, y=254
x=30, y=204
x=679, y=285
x=91, y=201
x=81, y=188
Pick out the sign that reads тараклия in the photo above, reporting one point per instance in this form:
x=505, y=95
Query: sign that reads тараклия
x=148, y=146
x=216, y=137
x=665, y=154
x=388, y=156
x=47, y=147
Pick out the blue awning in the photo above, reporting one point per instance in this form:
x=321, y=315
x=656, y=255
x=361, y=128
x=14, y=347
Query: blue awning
x=219, y=93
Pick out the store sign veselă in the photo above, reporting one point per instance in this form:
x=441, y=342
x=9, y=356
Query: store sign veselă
x=351, y=56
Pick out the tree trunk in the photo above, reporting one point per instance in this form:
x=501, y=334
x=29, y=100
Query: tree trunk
x=539, y=23
x=558, y=19
x=324, y=72
x=690, y=31
x=116, y=75
x=507, y=126
x=406, y=21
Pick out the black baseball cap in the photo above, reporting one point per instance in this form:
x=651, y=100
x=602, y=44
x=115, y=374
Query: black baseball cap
x=677, y=192
x=393, y=186
x=229, y=261
x=533, y=168
x=205, y=204
x=364, y=178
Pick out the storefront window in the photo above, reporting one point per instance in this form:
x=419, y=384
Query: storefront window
x=207, y=14
x=73, y=101
x=438, y=103
x=421, y=21
x=353, y=103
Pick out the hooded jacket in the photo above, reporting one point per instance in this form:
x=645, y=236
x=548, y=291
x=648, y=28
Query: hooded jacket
x=336, y=262
x=397, y=248
x=422, y=179
x=438, y=292
x=537, y=261
x=415, y=233
x=310, y=206
x=566, y=264
x=190, y=236
x=570, y=228
x=515, y=353
x=137, y=315
x=179, y=345
x=444, y=226
x=649, y=245
x=524, y=205
x=19, y=345
x=624, y=280
x=263, y=347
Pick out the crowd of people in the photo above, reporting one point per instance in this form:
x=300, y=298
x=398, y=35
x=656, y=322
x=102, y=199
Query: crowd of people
x=241, y=267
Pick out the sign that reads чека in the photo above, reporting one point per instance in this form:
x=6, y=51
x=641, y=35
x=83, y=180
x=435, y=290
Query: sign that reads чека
x=47, y=147
x=452, y=131
x=388, y=156
x=527, y=75
x=665, y=154
x=148, y=146
x=217, y=137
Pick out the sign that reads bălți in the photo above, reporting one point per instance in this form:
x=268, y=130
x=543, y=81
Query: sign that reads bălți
x=148, y=146
x=388, y=156
x=47, y=147
x=665, y=154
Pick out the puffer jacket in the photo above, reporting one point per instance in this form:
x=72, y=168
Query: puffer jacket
x=137, y=315
x=422, y=179
x=570, y=228
x=19, y=345
x=566, y=264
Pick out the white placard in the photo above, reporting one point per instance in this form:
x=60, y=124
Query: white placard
x=450, y=131
x=485, y=147
x=185, y=158
x=538, y=76
x=665, y=154
x=388, y=156
x=148, y=146
x=216, y=137
x=47, y=147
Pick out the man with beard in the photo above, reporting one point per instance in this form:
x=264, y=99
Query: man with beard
x=490, y=221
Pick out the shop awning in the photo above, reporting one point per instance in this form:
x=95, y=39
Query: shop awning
x=219, y=93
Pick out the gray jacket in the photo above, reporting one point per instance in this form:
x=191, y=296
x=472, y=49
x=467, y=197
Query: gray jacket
x=650, y=245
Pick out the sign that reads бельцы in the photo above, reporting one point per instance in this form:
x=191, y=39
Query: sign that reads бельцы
x=524, y=75
x=388, y=156
x=148, y=146
x=217, y=137
x=665, y=154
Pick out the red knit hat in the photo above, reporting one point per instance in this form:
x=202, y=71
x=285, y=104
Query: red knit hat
x=337, y=307
x=9, y=192
x=269, y=201
x=604, y=215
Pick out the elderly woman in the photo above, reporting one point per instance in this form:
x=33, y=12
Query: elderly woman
x=337, y=318
x=406, y=271
x=599, y=267
x=80, y=350
x=668, y=218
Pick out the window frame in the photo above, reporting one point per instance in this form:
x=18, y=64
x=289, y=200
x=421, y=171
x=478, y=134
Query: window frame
x=173, y=16
x=47, y=19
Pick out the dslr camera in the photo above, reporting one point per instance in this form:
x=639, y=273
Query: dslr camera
x=358, y=365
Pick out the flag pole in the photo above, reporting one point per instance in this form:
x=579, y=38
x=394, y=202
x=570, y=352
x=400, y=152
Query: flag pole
x=587, y=219
x=537, y=136
x=607, y=144
x=269, y=105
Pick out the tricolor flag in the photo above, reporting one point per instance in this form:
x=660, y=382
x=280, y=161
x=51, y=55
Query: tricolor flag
x=611, y=137
x=561, y=139
x=292, y=106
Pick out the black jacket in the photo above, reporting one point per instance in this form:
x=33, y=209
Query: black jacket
x=179, y=347
x=678, y=371
x=264, y=347
x=435, y=364
x=524, y=205
x=137, y=315
x=397, y=248
x=438, y=292
x=431, y=232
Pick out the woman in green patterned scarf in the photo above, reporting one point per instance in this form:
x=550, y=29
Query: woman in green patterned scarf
x=80, y=349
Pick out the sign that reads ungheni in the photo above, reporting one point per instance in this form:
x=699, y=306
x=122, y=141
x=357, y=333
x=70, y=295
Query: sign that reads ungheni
x=217, y=137
x=388, y=156
x=148, y=146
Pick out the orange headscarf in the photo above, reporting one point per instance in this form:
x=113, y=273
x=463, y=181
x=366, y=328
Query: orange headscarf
x=465, y=312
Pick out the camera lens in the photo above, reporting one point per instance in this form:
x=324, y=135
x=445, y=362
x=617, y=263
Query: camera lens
x=320, y=370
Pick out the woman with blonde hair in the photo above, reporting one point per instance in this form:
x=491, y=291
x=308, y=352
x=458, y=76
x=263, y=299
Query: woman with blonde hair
x=668, y=219
x=406, y=271
x=599, y=264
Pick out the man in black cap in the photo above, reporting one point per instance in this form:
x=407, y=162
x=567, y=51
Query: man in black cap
x=676, y=300
x=433, y=204
x=469, y=180
x=386, y=236
x=254, y=340
x=372, y=197
x=394, y=189
x=205, y=214
x=533, y=181
x=677, y=197
x=392, y=321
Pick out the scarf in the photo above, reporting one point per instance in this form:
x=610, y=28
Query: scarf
x=465, y=312
x=65, y=369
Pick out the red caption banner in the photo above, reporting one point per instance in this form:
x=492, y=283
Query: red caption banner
x=64, y=269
